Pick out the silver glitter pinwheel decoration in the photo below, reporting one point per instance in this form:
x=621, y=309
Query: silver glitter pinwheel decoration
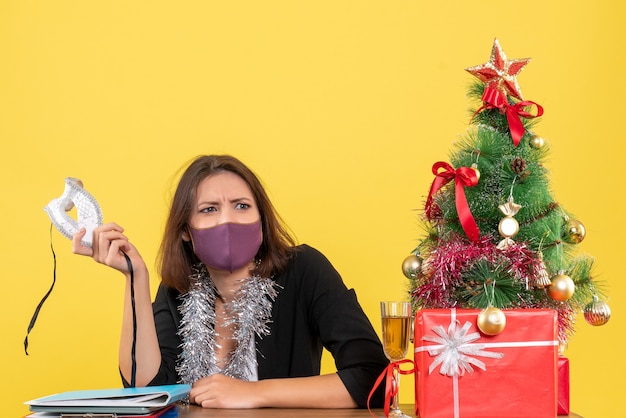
x=455, y=348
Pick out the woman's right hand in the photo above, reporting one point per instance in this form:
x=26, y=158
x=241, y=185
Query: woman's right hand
x=138, y=329
x=109, y=244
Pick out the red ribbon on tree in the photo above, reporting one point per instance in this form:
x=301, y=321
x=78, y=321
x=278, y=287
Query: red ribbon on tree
x=463, y=177
x=495, y=99
x=391, y=386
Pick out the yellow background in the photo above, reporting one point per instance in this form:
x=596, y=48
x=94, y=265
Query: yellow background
x=341, y=107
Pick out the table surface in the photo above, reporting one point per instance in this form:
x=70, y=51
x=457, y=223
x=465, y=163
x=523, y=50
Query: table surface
x=193, y=411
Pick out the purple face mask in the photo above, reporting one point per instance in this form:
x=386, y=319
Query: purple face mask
x=228, y=246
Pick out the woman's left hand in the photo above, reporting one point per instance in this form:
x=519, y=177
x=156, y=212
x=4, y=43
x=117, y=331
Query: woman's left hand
x=220, y=391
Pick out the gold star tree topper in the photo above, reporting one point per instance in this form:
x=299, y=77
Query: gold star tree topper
x=500, y=73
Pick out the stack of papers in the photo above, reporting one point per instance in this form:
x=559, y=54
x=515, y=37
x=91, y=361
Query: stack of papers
x=152, y=401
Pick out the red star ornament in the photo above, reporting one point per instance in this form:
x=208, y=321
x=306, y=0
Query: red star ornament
x=500, y=73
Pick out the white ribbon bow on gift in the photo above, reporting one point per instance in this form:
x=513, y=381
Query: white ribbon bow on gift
x=455, y=348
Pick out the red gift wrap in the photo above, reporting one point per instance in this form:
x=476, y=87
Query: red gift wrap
x=462, y=373
x=563, y=386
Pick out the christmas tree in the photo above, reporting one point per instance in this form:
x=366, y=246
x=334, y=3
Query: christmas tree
x=495, y=237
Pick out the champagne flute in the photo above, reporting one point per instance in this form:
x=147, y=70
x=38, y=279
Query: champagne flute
x=396, y=318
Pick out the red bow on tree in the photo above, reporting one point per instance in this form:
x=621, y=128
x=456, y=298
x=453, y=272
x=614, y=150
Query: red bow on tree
x=463, y=177
x=495, y=99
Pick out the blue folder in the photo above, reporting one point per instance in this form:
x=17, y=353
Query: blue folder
x=114, y=401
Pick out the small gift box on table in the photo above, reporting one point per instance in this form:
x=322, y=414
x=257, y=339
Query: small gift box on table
x=462, y=373
x=563, y=386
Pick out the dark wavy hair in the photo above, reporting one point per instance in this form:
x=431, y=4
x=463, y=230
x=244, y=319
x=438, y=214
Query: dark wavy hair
x=176, y=256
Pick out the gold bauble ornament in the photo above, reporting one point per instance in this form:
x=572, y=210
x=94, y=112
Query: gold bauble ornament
x=491, y=321
x=573, y=231
x=475, y=168
x=411, y=266
x=597, y=312
x=562, y=287
x=537, y=142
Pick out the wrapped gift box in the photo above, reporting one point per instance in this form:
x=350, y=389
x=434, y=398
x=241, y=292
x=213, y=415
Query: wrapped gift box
x=563, y=386
x=462, y=373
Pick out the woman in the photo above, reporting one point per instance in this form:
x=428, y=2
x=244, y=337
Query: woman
x=242, y=313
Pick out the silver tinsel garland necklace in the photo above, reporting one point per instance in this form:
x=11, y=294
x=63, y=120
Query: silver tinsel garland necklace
x=249, y=313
